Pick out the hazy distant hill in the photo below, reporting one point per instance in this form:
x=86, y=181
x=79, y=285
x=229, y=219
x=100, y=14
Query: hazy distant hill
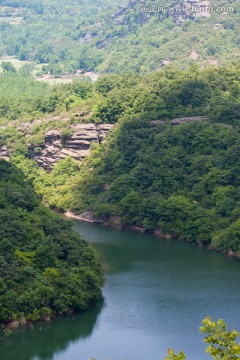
x=116, y=36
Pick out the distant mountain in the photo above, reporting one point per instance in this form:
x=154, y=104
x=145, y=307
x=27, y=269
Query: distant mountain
x=47, y=30
x=141, y=36
x=117, y=36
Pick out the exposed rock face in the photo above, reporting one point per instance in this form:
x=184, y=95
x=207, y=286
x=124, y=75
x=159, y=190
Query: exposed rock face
x=77, y=145
x=86, y=39
x=136, y=13
x=119, y=17
x=4, y=152
x=189, y=9
x=157, y=122
x=179, y=121
x=86, y=216
x=57, y=147
x=160, y=233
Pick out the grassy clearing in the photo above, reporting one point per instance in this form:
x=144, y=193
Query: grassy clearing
x=57, y=81
x=15, y=62
x=12, y=20
x=37, y=67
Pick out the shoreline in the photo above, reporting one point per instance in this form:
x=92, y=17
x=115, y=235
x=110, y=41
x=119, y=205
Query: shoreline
x=115, y=222
x=85, y=217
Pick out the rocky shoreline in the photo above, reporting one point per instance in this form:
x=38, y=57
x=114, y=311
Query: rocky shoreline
x=86, y=217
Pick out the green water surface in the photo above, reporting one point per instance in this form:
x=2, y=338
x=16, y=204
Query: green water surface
x=156, y=294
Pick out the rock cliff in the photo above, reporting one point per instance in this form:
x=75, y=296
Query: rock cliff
x=57, y=145
x=77, y=145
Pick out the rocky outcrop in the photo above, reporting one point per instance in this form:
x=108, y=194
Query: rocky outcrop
x=157, y=122
x=120, y=17
x=87, y=38
x=179, y=121
x=76, y=146
x=58, y=146
x=4, y=152
x=189, y=10
x=86, y=217
x=160, y=233
x=231, y=253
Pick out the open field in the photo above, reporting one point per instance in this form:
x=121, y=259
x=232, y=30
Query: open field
x=56, y=81
x=15, y=62
x=12, y=20
x=37, y=67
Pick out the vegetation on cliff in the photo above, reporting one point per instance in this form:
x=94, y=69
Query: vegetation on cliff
x=45, y=268
x=182, y=179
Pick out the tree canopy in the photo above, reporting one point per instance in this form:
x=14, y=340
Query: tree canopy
x=45, y=268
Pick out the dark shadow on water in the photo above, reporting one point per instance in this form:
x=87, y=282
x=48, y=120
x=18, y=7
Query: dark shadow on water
x=42, y=340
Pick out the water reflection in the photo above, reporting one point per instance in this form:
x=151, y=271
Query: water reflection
x=156, y=294
x=43, y=340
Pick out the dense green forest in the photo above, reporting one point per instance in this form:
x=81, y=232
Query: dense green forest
x=153, y=172
x=24, y=98
x=181, y=179
x=45, y=268
x=164, y=94
x=97, y=35
x=47, y=31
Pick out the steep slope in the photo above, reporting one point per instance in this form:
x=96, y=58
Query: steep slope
x=154, y=170
x=139, y=35
x=45, y=268
x=144, y=36
x=173, y=180
x=45, y=30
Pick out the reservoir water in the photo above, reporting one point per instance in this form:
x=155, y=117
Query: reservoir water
x=156, y=294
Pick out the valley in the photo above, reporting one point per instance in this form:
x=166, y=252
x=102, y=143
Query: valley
x=119, y=115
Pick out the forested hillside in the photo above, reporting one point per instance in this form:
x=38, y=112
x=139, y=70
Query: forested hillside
x=45, y=268
x=47, y=31
x=142, y=132
x=117, y=36
x=164, y=94
x=182, y=180
x=153, y=171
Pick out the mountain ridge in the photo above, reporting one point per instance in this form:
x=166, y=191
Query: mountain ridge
x=178, y=32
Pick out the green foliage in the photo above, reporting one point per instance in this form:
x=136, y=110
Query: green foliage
x=18, y=94
x=57, y=24
x=23, y=97
x=182, y=179
x=45, y=268
x=98, y=35
x=8, y=67
x=165, y=94
x=221, y=343
x=173, y=356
